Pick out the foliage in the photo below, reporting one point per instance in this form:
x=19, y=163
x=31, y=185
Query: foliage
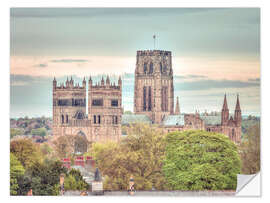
x=39, y=132
x=66, y=146
x=42, y=178
x=200, y=160
x=250, y=150
x=16, y=171
x=248, y=122
x=26, y=151
x=15, y=131
x=139, y=154
x=128, y=112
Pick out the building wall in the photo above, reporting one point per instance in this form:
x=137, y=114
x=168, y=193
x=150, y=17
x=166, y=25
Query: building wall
x=154, y=74
x=107, y=125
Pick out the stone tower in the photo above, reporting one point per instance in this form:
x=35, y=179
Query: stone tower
x=68, y=100
x=154, y=90
x=105, y=109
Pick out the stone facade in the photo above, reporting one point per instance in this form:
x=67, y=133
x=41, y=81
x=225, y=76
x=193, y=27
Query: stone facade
x=103, y=121
x=154, y=90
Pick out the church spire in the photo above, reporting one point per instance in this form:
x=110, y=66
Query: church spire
x=237, y=107
x=177, y=109
x=225, y=105
x=237, y=112
x=225, y=112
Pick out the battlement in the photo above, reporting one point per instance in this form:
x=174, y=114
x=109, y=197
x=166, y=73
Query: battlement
x=105, y=85
x=153, y=53
x=69, y=84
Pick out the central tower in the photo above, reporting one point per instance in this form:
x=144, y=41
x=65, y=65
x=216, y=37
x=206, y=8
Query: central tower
x=154, y=91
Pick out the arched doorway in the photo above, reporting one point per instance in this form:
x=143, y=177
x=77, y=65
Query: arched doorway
x=80, y=143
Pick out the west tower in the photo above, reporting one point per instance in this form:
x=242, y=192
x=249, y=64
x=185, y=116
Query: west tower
x=154, y=90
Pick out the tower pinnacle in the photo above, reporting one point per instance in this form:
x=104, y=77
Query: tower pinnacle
x=177, y=109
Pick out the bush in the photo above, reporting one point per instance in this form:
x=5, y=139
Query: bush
x=200, y=160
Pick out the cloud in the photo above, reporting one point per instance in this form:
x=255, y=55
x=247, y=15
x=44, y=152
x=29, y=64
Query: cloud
x=254, y=79
x=190, y=76
x=41, y=65
x=213, y=84
x=69, y=61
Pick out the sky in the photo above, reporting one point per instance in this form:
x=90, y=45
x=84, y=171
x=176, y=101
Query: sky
x=214, y=51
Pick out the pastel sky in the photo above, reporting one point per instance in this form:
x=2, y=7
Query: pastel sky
x=214, y=51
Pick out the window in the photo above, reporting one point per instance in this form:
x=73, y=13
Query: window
x=151, y=68
x=95, y=119
x=149, y=99
x=144, y=98
x=114, y=119
x=98, y=119
x=97, y=102
x=66, y=118
x=145, y=68
x=114, y=102
x=62, y=119
x=63, y=102
x=160, y=67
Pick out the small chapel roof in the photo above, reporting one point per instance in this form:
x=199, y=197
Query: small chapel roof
x=135, y=118
x=174, y=120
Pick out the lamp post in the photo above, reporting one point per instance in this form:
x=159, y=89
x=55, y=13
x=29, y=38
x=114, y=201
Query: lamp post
x=62, y=180
x=131, y=188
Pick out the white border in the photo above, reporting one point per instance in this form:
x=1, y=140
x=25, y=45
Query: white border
x=265, y=98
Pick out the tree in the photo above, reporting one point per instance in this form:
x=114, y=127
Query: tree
x=26, y=151
x=66, y=146
x=16, y=171
x=42, y=178
x=140, y=154
x=250, y=150
x=74, y=181
x=15, y=131
x=200, y=160
x=39, y=132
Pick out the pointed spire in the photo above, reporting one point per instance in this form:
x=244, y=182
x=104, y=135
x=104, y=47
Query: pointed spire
x=177, y=109
x=102, y=81
x=54, y=78
x=225, y=105
x=107, y=80
x=237, y=107
x=71, y=80
x=119, y=81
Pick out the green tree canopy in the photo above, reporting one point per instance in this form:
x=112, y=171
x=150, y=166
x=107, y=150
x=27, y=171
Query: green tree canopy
x=39, y=132
x=16, y=171
x=26, y=151
x=200, y=160
x=139, y=154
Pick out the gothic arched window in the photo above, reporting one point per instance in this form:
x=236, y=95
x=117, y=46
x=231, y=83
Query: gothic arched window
x=233, y=135
x=145, y=68
x=62, y=119
x=149, y=99
x=151, y=68
x=144, y=98
x=160, y=67
x=66, y=118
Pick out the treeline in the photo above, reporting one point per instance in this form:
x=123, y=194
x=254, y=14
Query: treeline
x=30, y=126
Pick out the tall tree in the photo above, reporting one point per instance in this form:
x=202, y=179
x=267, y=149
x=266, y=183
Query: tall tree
x=250, y=150
x=16, y=171
x=140, y=154
x=26, y=151
x=200, y=160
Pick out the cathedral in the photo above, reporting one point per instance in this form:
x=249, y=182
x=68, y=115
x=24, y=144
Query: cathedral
x=153, y=104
